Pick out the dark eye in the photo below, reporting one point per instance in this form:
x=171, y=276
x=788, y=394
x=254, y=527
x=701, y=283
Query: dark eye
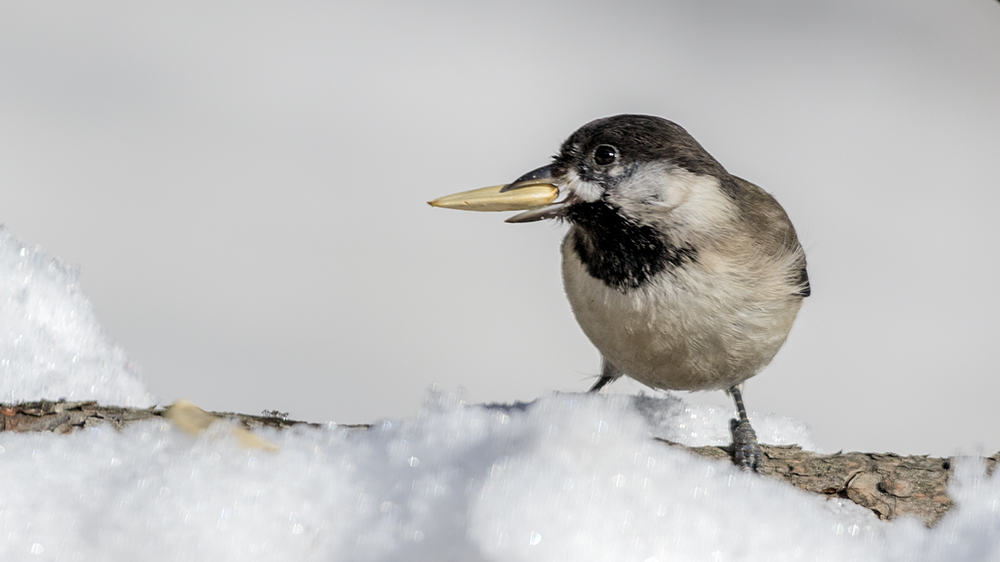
x=605, y=154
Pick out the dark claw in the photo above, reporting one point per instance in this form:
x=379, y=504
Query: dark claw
x=747, y=454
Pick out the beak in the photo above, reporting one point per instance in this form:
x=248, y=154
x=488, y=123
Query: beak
x=541, y=176
x=538, y=176
x=530, y=191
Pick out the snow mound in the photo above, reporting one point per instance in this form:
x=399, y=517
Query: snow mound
x=567, y=477
x=51, y=345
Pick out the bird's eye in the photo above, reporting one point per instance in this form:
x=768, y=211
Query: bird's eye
x=605, y=154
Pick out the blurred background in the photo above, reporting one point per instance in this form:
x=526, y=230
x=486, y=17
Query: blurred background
x=243, y=187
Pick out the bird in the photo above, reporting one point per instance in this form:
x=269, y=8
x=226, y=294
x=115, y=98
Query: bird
x=682, y=275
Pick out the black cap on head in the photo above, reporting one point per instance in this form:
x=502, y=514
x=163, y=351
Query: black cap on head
x=636, y=139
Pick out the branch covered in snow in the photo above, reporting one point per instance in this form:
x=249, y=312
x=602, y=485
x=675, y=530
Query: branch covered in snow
x=889, y=485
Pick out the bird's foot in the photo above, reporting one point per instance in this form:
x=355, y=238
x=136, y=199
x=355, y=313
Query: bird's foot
x=747, y=453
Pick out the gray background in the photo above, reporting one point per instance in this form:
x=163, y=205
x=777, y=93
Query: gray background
x=243, y=186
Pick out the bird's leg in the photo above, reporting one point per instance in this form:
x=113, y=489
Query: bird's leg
x=746, y=451
x=601, y=383
x=608, y=373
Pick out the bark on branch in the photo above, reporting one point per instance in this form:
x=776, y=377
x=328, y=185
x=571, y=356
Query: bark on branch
x=889, y=485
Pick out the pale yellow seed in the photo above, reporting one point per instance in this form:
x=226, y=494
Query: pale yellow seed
x=490, y=198
x=194, y=420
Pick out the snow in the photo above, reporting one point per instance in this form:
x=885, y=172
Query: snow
x=565, y=477
x=51, y=345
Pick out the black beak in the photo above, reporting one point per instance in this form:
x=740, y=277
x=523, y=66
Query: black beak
x=537, y=176
x=540, y=176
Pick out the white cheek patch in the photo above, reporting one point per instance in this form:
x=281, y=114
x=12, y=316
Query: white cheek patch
x=653, y=183
x=652, y=189
x=660, y=191
x=585, y=190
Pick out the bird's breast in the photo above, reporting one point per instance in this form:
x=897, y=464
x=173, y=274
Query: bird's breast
x=691, y=327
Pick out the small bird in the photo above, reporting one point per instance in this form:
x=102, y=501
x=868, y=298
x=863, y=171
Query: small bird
x=683, y=276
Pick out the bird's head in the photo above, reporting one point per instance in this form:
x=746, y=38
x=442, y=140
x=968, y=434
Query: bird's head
x=646, y=169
